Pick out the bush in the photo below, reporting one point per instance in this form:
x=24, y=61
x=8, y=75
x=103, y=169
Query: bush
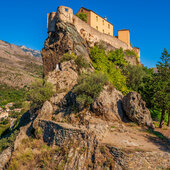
x=68, y=57
x=6, y=142
x=79, y=60
x=39, y=92
x=82, y=16
x=107, y=65
x=88, y=88
x=132, y=53
x=117, y=57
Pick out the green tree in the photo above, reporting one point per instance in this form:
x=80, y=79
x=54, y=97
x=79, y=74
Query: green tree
x=135, y=75
x=162, y=84
x=146, y=88
x=82, y=16
x=39, y=92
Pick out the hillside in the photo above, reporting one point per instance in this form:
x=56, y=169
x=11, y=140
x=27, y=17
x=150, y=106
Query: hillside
x=18, y=65
x=85, y=114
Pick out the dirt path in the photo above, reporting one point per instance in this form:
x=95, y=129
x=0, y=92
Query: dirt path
x=132, y=137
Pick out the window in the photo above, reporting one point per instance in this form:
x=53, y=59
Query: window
x=109, y=33
x=103, y=31
x=96, y=27
x=103, y=22
x=66, y=9
x=82, y=10
x=96, y=18
x=109, y=26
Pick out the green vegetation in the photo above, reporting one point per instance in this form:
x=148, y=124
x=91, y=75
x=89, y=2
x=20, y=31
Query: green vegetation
x=68, y=57
x=34, y=68
x=135, y=75
x=161, y=96
x=80, y=61
x=88, y=88
x=117, y=57
x=154, y=87
x=111, y=64
x=132, y=53
x=83, y=16
x=39, y=92
x=6, y=142
x=156, y=115
x=9, y=94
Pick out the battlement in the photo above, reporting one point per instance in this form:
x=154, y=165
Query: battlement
x=87, y=32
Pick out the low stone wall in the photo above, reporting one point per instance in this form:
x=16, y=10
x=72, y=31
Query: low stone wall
x=58, y=134
x=92, y=35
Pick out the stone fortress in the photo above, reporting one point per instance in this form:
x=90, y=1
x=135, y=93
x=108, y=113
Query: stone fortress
x=95, y=30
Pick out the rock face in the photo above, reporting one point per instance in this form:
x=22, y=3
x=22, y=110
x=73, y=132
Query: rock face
x=5, y=157
x=65, y=39
x=136, y=110
x=109, y=105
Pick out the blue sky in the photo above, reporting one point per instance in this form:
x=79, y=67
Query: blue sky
x=24, y=22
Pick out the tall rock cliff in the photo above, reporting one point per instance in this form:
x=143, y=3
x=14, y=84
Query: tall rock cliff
x=65, y=39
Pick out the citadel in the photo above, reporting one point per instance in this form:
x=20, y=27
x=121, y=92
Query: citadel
x=95, y=30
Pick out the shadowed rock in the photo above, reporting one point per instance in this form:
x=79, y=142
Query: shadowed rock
x=136, y=109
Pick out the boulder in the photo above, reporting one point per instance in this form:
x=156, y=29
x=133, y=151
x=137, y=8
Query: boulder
x=46, y=111
x=136, y=110
x=108, y=105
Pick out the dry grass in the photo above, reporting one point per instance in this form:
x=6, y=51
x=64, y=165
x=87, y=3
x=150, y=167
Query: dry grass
x=33, y=153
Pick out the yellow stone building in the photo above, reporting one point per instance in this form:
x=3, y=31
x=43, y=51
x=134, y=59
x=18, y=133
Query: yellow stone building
x=124, y=35
x=97, y=22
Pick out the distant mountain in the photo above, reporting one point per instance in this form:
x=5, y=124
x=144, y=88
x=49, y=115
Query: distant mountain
x=30, y=51
x=19, y=66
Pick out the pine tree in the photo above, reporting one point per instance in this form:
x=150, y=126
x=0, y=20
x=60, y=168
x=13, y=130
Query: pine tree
x=162, y=82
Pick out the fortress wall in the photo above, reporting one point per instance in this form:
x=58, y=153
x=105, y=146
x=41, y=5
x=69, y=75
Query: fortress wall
x=93, y=36
x=51, y=20
x=90, y=34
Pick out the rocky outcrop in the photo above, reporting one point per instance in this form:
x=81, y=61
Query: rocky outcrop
x=136, y=110
x=65, y=39
x=5, y=157
x=109, y=104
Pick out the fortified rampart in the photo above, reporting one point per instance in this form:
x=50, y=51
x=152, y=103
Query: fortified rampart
x=91, y=35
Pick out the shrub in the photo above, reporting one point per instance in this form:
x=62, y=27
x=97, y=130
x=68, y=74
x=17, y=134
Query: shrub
x=6, y=142
x=82, y=16
x=107, y=65
x=117, y=57
x=17, y=105
x=39, y=92
x=88, y=88
x=130, y=53
x=80, y=61
x=68, y=57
